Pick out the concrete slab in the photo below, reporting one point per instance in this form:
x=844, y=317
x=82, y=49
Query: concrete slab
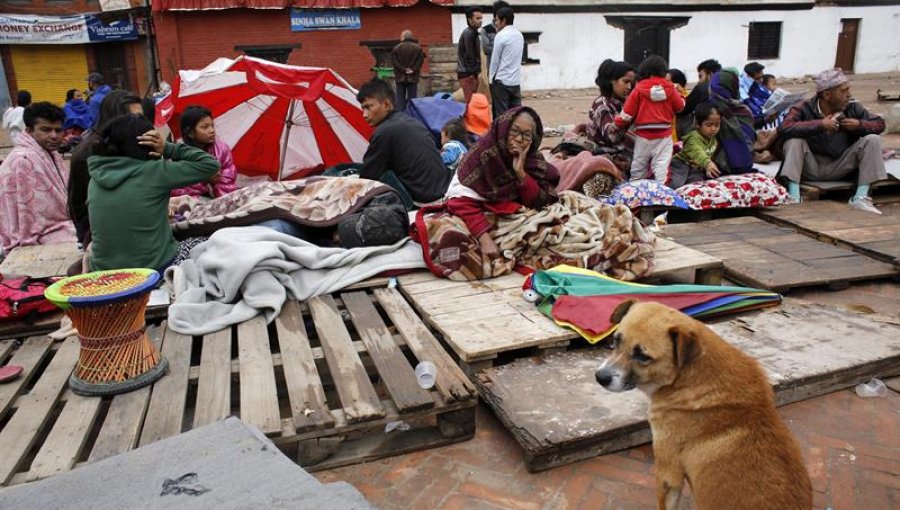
x=225, y=465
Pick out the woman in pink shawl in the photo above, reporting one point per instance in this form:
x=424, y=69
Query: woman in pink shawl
x=33, y=183
x=199, y=130
x=502, y=173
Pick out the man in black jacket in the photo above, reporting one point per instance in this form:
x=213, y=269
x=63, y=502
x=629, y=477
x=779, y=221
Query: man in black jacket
x=407, y=58
x=468, y=52
x=401, y=153
x=829, y=137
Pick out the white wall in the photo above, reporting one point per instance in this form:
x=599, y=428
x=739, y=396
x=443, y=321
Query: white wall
x=573, y=45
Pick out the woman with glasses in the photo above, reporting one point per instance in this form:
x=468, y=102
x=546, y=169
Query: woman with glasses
x=502, y=173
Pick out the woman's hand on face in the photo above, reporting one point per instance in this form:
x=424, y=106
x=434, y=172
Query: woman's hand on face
x=488, y=246
x=519, y=155
x=216, y=178
x=155, y=141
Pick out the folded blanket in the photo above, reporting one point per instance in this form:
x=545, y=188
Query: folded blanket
x=242, y=272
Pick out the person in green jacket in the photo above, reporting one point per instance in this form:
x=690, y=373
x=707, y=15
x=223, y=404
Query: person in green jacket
x=696, y=160
x=132, y=171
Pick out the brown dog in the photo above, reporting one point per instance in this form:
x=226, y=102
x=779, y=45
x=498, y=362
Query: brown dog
x=712, y=413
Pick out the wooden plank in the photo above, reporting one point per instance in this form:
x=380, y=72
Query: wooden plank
x=805, y=349
x=29, y=356
x=309, y=409
x=165, y=413
x=214, y=381
x=22, y=430
x=121, y=429
x=68, y=437
x=358, y=397
x=20, y=329
x=259, y=396
x=41, y=260
x=6, y=347
x=835, y=222
x=392, y=365
x=672, y=257
x=449, y=380
x=763, y=255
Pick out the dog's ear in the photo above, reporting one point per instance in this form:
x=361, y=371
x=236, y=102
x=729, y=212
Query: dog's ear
x=621, y=310
x=684, y=345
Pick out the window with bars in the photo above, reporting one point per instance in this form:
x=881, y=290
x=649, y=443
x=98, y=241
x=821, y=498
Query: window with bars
x=765, y=40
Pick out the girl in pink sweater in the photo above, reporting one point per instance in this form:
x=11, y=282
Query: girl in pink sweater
x=199, y=130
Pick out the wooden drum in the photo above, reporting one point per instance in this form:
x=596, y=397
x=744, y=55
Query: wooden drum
x=107, y=308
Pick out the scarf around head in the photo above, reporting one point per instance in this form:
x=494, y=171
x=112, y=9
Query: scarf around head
x=488, y=168
x=737, y=133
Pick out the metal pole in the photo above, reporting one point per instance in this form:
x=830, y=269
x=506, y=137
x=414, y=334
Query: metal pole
x=288, y=123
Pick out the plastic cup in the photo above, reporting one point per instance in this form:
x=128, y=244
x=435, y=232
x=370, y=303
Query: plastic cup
x=873, y=388
x=425, y=372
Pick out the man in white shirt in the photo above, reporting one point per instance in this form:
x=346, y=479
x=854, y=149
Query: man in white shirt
x=13, y=118
x=506, y=64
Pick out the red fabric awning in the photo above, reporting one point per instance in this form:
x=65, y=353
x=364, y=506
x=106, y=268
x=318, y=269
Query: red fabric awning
x=202, y=5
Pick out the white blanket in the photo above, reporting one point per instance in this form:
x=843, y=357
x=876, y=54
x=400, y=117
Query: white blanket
x=243, y=271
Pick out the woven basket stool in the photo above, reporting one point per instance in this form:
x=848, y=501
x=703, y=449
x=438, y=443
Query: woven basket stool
x=107, y=308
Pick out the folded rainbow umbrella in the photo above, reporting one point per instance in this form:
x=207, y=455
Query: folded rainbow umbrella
x=583, y=300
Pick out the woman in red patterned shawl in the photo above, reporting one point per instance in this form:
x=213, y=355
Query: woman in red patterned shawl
x=503, y=172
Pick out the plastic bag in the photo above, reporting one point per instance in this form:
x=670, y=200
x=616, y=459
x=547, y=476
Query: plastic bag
x=873, y=388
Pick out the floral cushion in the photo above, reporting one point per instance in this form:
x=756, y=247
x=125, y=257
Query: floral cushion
x=634, y=194
x=734, y=191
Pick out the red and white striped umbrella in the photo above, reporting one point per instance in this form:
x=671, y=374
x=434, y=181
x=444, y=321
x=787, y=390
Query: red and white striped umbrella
x=281, y=121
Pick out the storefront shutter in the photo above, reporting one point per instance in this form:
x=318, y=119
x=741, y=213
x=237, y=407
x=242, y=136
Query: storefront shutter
x=49, y=70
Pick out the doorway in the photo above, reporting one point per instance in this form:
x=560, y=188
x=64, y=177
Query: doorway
x=109, y=59
x=846, y=49
x=646, y=35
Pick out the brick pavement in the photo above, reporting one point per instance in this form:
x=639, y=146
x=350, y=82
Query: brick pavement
x=851, y=446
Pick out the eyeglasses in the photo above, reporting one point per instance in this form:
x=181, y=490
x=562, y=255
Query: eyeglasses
x=525, y=136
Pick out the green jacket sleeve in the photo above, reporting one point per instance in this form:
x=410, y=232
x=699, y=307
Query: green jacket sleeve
x=695, y=151
x=187, y=165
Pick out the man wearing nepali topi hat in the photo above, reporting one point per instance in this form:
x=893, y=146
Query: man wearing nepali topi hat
x=828, y=137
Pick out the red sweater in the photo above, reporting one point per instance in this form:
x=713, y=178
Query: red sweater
x=472, y=211
x=651, y=119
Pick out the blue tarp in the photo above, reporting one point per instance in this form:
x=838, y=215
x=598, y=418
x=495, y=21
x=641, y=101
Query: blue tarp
x=434, y=113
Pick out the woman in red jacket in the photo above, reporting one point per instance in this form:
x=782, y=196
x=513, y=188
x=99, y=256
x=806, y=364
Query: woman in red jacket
x=503, y=172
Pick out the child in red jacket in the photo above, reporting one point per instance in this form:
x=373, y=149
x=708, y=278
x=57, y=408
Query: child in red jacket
x=651, y=106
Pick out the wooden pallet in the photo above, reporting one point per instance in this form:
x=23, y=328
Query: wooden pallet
x=877, y=236
x=816, y=190
x=322, y=382
x=45, y=261
x=480, y=320
x=759, y=254
x=40, y=261
x=558, y=413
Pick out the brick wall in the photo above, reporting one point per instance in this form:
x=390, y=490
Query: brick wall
x=191, y=40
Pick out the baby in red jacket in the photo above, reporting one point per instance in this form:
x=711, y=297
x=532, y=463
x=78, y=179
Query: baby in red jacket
x=650, y=108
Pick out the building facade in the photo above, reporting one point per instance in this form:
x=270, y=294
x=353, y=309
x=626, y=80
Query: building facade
x=352, y=39
x=50, y=46
x=568, y=40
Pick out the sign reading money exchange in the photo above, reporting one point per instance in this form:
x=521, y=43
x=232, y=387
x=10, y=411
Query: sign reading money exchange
x=303, y=20
x=85, y=28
